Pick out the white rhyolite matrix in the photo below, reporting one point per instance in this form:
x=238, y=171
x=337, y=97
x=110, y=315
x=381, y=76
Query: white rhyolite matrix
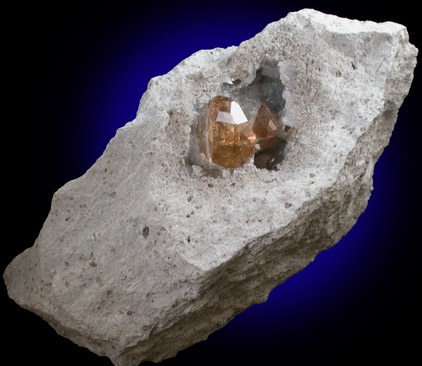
x=142, y=256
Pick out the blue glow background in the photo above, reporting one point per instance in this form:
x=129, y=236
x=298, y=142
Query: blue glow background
x=78, y=72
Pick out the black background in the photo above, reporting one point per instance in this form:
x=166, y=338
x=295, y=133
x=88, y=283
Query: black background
x=50, y=54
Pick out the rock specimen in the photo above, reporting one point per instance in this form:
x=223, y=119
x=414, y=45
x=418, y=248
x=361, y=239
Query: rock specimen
x=144, y=256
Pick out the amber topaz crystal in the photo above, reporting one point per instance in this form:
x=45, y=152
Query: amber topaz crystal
x=266, y=127
x=230, y=138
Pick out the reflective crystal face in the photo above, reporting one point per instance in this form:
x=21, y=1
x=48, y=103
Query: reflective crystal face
x=230, y=138
x=266, y=127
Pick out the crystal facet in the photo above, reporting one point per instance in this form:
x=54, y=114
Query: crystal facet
x=230, y=138
x=266, y=127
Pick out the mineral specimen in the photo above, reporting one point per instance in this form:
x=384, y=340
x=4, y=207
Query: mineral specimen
x=230, y=137
x=267, y=128
x=156, y=257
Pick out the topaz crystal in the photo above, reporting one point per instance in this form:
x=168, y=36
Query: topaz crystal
x=231, y=141
x=267, y=128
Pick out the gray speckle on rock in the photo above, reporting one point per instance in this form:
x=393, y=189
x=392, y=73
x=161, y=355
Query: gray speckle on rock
x=156, y=257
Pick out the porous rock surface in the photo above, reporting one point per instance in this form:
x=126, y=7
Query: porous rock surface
x=142, y=257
